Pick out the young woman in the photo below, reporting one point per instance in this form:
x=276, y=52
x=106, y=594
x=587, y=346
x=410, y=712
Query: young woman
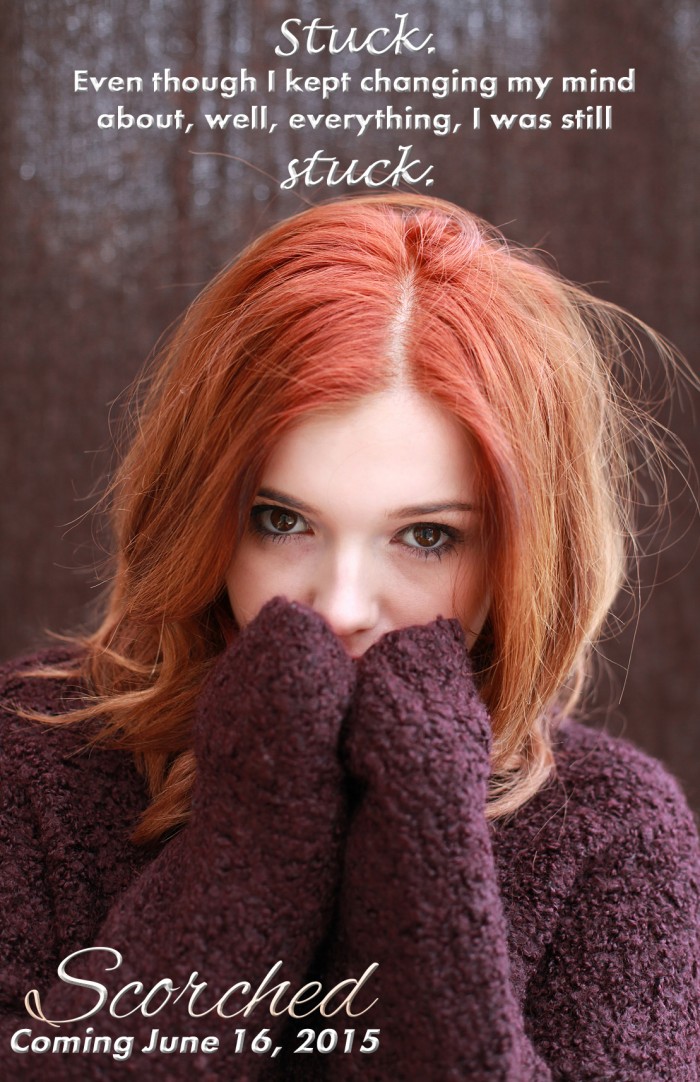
x=309, y=802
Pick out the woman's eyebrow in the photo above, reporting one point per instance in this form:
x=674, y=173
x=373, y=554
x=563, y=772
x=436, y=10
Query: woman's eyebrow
x=419, y=509
x=289, y=501
x=411, y=511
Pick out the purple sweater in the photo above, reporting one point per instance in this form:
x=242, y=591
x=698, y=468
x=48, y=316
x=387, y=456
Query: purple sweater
x=338, y=821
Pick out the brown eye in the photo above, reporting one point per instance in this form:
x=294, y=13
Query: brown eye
x=277, y=523
x=429, y=540
x=427, y=537
x=281, y=520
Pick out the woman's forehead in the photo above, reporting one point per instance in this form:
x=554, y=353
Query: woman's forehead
x=390, y=450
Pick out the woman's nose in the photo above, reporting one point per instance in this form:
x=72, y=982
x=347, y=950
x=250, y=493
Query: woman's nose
x=344, y=594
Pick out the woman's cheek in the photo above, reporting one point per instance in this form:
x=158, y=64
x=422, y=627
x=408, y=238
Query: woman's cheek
x=418, y=590
x=260, y=573
x=476, y=618
x=247, y=584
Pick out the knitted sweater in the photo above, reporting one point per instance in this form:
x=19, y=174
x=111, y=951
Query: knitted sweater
x=338, y=829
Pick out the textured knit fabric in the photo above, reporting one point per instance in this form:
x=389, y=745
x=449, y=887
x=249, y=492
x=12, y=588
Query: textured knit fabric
x=339, y=821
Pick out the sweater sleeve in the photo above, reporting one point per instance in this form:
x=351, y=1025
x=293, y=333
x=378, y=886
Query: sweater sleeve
x=249, y=881
x=617, y=993
x=420, y=896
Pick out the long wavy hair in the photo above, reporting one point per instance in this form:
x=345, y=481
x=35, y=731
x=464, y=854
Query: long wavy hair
x=346, y=299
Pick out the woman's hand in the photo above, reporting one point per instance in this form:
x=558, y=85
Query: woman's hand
x=268, y=719
x=419, y=894
x=270, y=803
x=416, y=712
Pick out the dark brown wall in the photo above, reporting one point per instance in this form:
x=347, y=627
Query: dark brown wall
x=106, y=236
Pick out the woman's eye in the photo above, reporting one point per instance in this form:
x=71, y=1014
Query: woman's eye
x=272, y=521
x=427, y=538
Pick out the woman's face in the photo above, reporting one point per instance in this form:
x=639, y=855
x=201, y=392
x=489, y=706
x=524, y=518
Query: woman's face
x=369, y=516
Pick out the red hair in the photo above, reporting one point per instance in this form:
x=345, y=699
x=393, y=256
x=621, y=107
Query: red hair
x=341, y=301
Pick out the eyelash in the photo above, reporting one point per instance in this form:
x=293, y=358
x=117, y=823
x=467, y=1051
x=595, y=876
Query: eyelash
x=454, y=536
